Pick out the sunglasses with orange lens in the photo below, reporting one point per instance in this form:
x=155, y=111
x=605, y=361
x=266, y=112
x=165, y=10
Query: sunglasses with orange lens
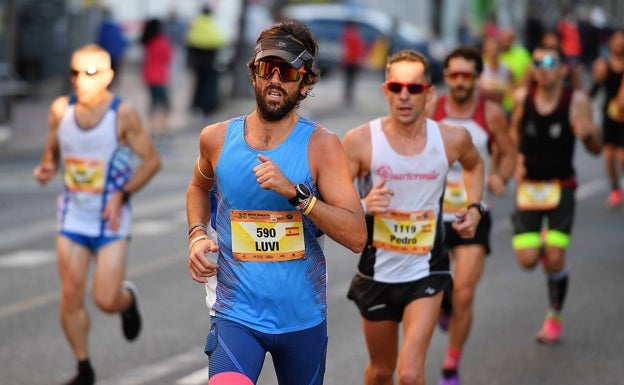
x=412, y=88
x=465, y=75
x=265, y=69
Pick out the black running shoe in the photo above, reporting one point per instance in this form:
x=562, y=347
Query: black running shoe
x=131, y=318
x=85, y=376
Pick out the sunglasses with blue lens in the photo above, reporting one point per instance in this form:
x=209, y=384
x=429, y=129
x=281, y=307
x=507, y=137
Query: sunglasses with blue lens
x=546, y=62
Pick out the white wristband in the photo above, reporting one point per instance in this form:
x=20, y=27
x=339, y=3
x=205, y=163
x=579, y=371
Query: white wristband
x=197, y=239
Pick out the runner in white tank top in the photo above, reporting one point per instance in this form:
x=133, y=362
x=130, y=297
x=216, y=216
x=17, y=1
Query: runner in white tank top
x=401, y=162
x=94, y=135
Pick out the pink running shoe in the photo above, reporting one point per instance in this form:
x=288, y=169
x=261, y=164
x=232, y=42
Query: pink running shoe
x=615, y=198
x=550, y=331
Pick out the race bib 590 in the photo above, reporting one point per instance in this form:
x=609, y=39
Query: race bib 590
x=268, y=236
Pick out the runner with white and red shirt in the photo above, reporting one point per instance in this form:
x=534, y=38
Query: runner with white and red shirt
x=486, y=122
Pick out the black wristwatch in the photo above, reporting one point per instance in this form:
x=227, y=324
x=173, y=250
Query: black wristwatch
x=303, y=196
x=125, y=195
x=477, y=206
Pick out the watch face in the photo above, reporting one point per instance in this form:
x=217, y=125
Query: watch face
x=303, y=190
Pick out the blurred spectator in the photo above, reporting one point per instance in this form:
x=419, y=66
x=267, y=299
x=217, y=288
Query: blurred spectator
x=111, y=38
x=569, y=39
x=464, y=30
x=353, y=54
x=158, y=53
x=204, y=39
x=495, y=81
x=490, y=27
x=517, y=59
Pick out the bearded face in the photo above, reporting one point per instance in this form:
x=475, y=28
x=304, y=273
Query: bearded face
x=275, y=102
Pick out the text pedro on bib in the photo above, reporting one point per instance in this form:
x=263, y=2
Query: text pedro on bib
x=408, y=232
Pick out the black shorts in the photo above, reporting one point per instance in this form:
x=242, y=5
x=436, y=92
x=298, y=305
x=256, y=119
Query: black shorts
x=613, y=132
x=482, y=236
x=380, y=301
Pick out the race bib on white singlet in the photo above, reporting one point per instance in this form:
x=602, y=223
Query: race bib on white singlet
x=406, y=232
x=84, y=175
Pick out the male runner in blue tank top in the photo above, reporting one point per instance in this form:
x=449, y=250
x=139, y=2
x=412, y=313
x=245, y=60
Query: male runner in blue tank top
x=401, y=162
x=94, y=134
x=279, y=182
x=545, y=123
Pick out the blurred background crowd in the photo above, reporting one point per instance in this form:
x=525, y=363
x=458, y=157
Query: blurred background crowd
x=38, y=36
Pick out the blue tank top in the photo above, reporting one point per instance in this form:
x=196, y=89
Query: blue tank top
x=268, y=296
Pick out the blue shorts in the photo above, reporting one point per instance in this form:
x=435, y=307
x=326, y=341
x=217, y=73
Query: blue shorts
x=92, y=243
x=298, y=357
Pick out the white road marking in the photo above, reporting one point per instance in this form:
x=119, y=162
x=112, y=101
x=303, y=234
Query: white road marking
x=196, y=378
x=151, y=227
x=148, y=373
x=27, y=258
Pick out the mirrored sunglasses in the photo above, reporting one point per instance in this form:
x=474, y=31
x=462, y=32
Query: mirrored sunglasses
x=465, y=75
x=412, y=88
x=546, y=62
x=89, y=71
x=265, y=69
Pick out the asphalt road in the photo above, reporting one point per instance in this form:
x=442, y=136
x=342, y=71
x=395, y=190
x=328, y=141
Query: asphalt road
x=510, y=304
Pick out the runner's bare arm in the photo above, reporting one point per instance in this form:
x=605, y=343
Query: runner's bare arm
x=340, y=214
x=133, y=133
x=505, y=158
x=583, y=122
x=198, y=199
x=48, y=165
